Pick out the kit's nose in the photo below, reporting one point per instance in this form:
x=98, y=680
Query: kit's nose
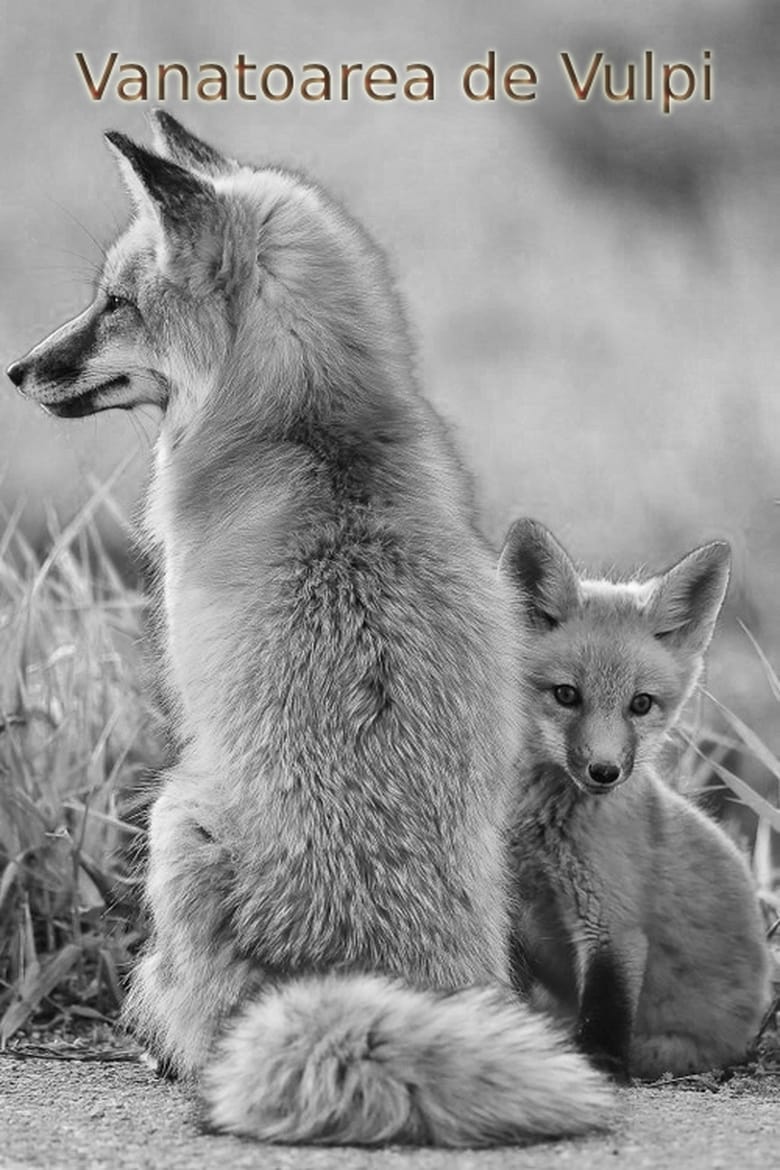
x=604, y=774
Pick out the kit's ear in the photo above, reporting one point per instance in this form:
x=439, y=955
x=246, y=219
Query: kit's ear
x=534, y=561
x=685, y=601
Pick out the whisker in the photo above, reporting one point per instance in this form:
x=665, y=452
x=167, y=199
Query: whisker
x=78, y=223
x=87, y=260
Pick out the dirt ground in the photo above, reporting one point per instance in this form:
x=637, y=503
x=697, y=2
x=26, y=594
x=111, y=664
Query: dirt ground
x=60, y=1114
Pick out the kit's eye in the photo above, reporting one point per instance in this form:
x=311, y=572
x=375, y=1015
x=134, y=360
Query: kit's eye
x=640, y=704
x=567, y=696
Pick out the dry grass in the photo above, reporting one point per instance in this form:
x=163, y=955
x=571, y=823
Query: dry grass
x=77, y=734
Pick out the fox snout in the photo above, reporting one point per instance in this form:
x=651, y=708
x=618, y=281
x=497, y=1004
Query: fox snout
x=597, y=770
x=89, y=364
x=604, y=775
x=52, y=373
x=16, y=373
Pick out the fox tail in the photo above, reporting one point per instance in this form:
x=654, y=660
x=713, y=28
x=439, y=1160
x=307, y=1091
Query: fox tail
x=364, y=1060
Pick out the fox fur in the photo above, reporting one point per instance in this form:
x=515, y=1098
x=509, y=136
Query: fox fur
x=632, y=909
x=328, y=860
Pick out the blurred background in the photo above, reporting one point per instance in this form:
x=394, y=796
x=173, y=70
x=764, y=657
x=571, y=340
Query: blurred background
x=592, y=288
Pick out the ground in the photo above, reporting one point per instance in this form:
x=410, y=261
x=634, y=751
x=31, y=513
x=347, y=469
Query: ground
x=60, y=1114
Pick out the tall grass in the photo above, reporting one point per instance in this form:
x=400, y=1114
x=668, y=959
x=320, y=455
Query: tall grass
x=77, y=734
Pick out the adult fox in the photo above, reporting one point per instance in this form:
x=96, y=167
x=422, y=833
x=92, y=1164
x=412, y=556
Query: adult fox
x=327, y=860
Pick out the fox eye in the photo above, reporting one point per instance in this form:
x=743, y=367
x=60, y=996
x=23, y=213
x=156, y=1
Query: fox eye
x=567, y=696
x=640, y=704
x=114, y=302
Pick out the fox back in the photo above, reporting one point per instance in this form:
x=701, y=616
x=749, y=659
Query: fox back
x=343, y=677
x=329, y=853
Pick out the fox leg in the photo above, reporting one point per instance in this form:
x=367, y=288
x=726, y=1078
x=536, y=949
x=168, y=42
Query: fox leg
x=610, y=981
x=192, y=977
x=694, y=1021
x=652, y=1056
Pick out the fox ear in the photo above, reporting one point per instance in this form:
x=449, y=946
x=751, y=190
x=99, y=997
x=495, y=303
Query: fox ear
x=173, y=141
x=177, y=195
x=685, y=602
x=534, y=560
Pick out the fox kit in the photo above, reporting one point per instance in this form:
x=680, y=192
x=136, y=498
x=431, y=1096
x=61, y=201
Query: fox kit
x=328, y=876
x=632, y=908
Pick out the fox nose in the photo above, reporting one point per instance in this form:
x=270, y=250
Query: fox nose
x=604, y=774
x=16, y=373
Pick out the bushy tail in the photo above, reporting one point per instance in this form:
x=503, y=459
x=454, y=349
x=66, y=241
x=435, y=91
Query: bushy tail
x=363, y=1060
